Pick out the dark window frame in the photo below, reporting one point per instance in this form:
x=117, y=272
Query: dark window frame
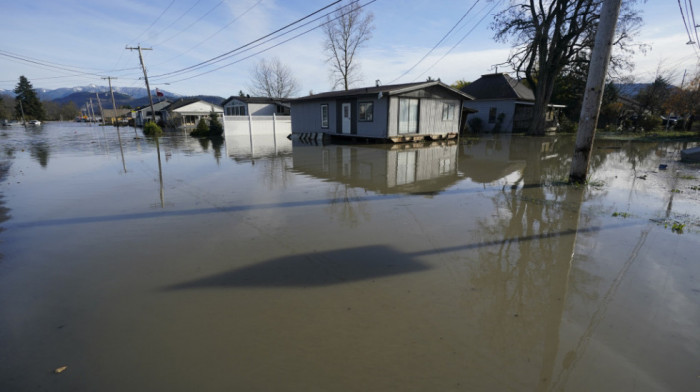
x=493, y=112
x=368, y=114
x=325, y=117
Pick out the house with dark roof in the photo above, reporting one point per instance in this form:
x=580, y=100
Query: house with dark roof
x=185, y=113
x=504, y=104
x=142, y=114
x=255, y=106
x=397, y=113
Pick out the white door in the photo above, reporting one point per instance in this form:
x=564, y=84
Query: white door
x=346, y=118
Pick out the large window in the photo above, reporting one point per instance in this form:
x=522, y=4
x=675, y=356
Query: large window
x=408, y=115
x=236, y=110
x=448, y=111
x=366, y=111
x=324, y=115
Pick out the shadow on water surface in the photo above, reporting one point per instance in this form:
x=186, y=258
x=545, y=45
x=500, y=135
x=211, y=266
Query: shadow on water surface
x=314, y=269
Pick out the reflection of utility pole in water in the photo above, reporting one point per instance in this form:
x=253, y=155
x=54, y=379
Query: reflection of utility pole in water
x=115, y=119
x=21, y=109
x=153, y=116
x=99, y=104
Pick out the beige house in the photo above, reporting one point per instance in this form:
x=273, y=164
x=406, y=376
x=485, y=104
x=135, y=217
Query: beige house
x=185, y=113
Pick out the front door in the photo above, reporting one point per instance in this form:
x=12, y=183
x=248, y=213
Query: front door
x=347, y=116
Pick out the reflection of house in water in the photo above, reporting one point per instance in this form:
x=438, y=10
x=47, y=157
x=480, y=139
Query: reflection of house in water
x=489, y=160
x=405, y=168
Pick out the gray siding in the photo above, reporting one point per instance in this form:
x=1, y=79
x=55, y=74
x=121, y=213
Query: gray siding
x=378, y=127
x=306, y=117
x=502, y=106
x=262, y=109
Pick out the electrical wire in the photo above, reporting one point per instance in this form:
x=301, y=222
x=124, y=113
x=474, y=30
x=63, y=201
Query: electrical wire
x=695, y=25
x=154, y=22
x=191, y=24
x=690, y=38
x=268, y=48
x=224, y=55
x=460, y=41
x=437, y=44
x=211, y=36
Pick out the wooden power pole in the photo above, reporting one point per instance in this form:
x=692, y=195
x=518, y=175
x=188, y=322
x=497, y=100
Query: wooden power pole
x=593, y=96
x=145, y=76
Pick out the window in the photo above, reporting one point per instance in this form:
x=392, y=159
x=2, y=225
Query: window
x=366, y=111
x=408, y=115
x=492, y=115
x=448, y=111
x=324, y=115
x=237, y=109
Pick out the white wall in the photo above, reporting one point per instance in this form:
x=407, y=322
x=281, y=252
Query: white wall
x=258, y=125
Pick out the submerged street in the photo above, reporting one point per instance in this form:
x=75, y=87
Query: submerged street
x=259, y=264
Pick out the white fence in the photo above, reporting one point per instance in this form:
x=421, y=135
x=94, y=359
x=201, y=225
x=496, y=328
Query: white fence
x=257, y=125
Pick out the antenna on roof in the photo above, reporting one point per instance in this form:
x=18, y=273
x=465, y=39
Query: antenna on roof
x=377, y=82
x=495, y=66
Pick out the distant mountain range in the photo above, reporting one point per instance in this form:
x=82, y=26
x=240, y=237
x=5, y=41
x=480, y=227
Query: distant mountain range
x=131, y=96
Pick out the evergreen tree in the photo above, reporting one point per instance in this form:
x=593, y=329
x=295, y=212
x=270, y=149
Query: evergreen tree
x=215, y=127
x=30, y=103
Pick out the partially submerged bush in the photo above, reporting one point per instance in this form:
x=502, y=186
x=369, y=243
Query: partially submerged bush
x=215, y=127
x=566, y=125
x=152, y=129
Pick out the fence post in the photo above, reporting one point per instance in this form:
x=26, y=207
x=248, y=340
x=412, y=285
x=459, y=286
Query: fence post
x=250, y=132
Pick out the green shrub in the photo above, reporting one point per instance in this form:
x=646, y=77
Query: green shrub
x=649, y=122
x=215, y=127
x=475, y=124
x=566, y=125
x=152, y=129
x=202, y=129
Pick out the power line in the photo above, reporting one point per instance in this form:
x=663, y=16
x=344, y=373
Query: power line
x=268, y=48
x=246, y=45
x=217, y=32
x=462, y=39
x=154, y=22
x=191, y=24
x=437, y=44
x=695, y=25
x=690, y=38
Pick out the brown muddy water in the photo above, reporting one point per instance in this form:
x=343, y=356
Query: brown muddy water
x=262, y=265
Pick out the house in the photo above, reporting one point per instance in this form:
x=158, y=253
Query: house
x=503, y=104
x=142, y=114
x=401, y=112
x=112, y=116
x=185, y=113
x=255, y=106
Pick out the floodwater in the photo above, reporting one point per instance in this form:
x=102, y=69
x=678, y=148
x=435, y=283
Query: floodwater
x=255, y=264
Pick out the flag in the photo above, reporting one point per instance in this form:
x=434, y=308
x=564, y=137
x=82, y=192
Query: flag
x=158, y=93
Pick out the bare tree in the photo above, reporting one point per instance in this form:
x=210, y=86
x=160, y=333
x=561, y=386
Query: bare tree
x=346, y=31
x=549, y=36
x=272, y=79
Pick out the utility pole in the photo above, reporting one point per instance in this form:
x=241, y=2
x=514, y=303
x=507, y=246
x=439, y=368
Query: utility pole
x=99, y=103
x=590, y=109
x=145, y=76
x=114, y=105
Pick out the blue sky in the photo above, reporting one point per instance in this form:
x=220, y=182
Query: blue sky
x=87, y=39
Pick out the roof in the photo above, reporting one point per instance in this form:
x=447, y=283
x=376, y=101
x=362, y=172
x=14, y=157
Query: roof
x=181, y=102
x=249, y=99
x=391, y=89
x=499, y=86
